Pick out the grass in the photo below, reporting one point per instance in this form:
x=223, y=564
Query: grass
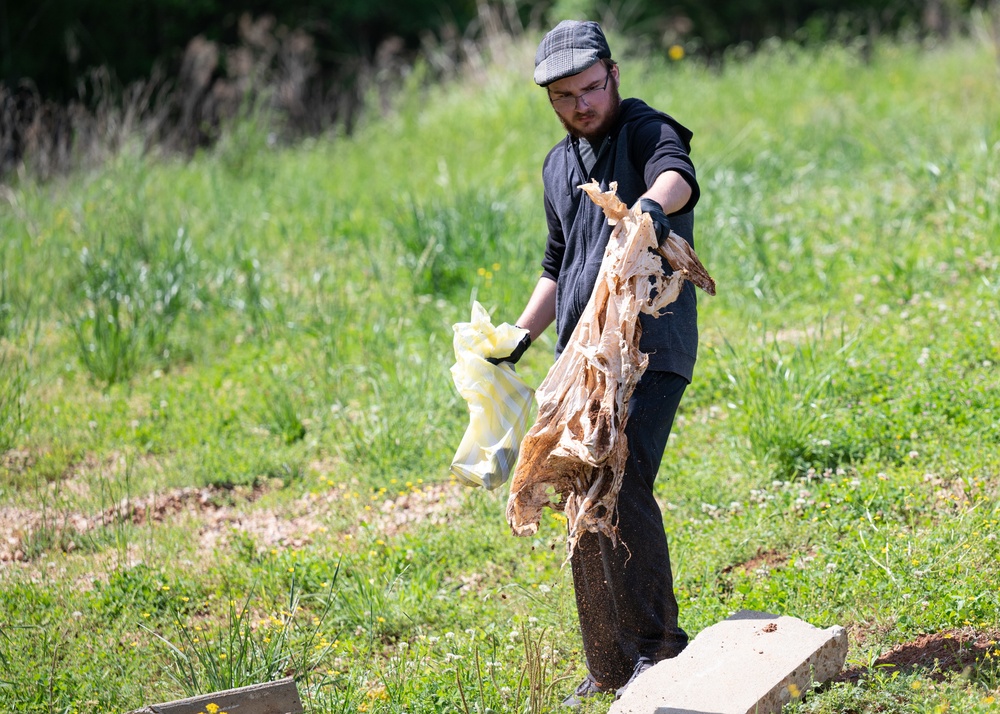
x=226, y=412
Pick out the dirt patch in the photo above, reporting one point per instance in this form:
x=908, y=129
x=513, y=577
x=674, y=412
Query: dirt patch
x=765, y=560
x=16, y=524
x=437, y=504
x=268, y=529
x=17, y=461
x=957, y=493
x=300, y=523
x=22, y=529
x=759, y=566
x=937, y=654
x=226, y=513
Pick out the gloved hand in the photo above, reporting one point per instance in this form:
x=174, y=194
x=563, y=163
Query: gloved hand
x=660, y=221
x=514, y=356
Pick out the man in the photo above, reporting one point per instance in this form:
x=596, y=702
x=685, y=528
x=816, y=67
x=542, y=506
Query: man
x=625, y=598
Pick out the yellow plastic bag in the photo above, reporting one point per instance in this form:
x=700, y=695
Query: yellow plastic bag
x=499, y=400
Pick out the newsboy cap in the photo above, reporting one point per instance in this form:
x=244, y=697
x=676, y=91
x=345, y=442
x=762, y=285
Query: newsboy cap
x=569, y=48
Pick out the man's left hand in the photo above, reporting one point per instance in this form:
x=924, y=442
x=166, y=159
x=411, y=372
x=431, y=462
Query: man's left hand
x=661, y=224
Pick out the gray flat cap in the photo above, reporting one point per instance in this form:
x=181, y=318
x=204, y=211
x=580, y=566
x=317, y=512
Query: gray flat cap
x=569, y=48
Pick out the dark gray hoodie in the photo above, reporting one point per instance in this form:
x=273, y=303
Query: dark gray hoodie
x=642, y=144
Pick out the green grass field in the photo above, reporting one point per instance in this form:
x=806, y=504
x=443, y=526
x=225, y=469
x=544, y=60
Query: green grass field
x=226, y=413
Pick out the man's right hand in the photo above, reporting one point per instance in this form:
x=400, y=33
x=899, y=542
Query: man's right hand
x=515, y=355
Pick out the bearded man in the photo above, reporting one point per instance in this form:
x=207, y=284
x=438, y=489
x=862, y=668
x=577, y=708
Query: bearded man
x=625, y=597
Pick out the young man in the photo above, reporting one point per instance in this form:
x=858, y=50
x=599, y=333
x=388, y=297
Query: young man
x=625, y=597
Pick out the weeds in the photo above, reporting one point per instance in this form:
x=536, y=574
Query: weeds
x=444, y=243
x=251, y=300
x=531, y=690
x=540, y=667
x=244, y=652
x=133, y=294
x=335, y=693
x=15, y=302
x=139, y=591
x=391, y=435
x=13, y=385
x=280, y=415
x=789, y=407
x=117, y=499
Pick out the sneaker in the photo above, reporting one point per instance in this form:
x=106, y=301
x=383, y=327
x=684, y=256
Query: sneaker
x=586, y=689
x=641, y=666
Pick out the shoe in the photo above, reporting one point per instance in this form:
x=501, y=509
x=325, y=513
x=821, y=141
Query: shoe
x=586, y=689
x=641, y=666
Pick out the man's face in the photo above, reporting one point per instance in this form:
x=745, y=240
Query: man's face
x=587, y=103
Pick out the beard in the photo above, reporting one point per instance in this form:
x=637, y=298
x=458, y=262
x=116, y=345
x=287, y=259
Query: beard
x=595, y=133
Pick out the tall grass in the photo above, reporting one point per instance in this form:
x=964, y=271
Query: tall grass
x=788, y=404
x=244, y=652
x=266, y=335
x=132, y=290
x=15, y=299
x=13, y=385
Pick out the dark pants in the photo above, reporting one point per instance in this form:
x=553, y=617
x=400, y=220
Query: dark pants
x=625, y=594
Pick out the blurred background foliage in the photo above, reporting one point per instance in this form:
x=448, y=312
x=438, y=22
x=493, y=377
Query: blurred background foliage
x=79, y=77
x=53, y=43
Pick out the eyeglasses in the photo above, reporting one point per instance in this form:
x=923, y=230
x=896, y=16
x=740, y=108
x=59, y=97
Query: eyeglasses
x=568, y=102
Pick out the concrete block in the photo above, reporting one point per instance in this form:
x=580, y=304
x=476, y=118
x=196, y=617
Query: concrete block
x=279, y=697
x=750, y=663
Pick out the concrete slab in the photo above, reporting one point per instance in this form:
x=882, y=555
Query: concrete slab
x=750, y=663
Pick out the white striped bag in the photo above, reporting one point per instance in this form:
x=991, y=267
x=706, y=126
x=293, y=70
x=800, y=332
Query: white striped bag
x=499, y=400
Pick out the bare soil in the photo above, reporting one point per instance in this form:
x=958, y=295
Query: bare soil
x=937, y=654
x=222, y=511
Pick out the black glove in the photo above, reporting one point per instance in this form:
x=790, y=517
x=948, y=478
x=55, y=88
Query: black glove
x=514, y=356
x=660, y=221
